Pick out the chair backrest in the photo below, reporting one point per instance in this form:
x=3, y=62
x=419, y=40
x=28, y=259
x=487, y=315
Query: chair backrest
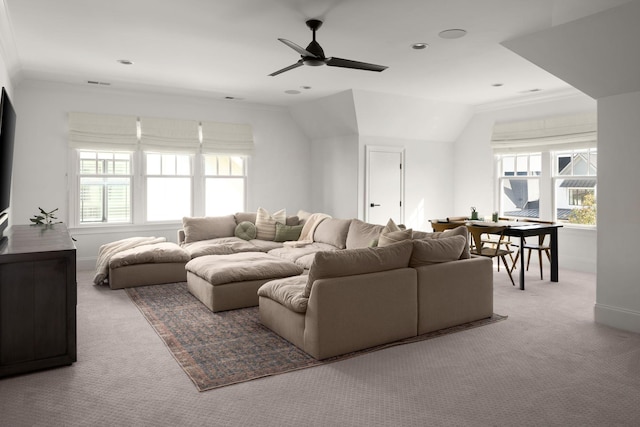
x=439, y=225
x=478, y=230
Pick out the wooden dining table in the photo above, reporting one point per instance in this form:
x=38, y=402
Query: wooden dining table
x=522, y=230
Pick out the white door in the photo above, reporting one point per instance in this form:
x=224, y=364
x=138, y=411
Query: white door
x=385, y=193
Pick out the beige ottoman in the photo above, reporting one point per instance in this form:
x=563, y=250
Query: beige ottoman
x=227, y=282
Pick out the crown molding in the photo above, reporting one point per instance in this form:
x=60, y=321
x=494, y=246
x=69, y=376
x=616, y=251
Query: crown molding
x=537, y=98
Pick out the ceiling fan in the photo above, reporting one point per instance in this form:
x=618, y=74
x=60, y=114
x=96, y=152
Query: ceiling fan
x=313, y=55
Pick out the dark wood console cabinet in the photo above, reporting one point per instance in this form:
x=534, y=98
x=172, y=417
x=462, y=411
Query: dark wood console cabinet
x=37, y=299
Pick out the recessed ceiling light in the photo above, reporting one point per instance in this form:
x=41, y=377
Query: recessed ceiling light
x=531, y=90
x=95, y=82
x=454, y=33
x=419, y=46
x=497, y=84
x=125, y=61
x=305, y=87
x=292, y=92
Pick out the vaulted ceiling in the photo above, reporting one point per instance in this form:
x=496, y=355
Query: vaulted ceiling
x=222, y=49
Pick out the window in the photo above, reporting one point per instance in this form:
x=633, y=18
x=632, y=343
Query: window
x=520, y=185
x=575, y=183
x=225, y=183
x=139, y=170
x=104, y=187
x=168, y=186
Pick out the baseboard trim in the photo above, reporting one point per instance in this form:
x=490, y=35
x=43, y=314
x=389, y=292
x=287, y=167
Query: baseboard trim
x=617, y=317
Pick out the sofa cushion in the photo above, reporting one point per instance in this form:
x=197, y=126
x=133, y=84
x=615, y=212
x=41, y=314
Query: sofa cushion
x=266, y=223
x=204, y=228
x=361, y=234
x=219, y=246
x=286, y=233
x=246, y=230
x=351, y=262
x=391, y=226
x=392, y=237
x=333, y=232
x=434, y=251
x=458, y=231
x=288, y=292
x=293, y=220
x=303, y=216
x=245, y=216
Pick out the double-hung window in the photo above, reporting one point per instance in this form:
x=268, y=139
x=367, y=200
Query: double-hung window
x=575, y=183
x=519, y=181
x=225, y=184
x=168, y=184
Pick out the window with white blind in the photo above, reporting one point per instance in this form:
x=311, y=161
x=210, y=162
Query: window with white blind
x=575, y=183
x=104, y=187
x=139, y=170
x=520, y=185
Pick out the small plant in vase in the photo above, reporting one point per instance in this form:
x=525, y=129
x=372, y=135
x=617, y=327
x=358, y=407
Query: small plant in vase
x=474, y=213
x=45, y=218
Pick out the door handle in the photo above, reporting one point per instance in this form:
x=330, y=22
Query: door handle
x=373, y=205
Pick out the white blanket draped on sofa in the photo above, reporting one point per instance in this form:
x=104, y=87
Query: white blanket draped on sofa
x=108, y=250
x=306, y=235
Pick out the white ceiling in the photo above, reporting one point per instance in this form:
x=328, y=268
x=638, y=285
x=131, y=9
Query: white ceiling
x=220, y=48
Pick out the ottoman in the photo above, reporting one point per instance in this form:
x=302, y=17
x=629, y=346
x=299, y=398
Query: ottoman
x=227, y=282
x=145, y=265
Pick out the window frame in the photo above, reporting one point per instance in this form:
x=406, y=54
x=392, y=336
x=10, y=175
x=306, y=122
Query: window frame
x=528, y=176
x=138, y=187
x=557, y=177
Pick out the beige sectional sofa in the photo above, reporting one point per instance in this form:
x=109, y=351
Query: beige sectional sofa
x=333, y=286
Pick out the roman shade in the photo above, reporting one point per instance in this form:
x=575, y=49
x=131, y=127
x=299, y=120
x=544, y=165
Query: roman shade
x=232, y=138
x=157, y=134
x=553, y=133
x=103, y=131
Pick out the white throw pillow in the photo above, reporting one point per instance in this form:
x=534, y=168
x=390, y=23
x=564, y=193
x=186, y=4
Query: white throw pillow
x=266, y=223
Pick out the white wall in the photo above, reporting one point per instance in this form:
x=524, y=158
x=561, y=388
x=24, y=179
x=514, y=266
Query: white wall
x=475, y=178
x=618, y=292
x=277, y=172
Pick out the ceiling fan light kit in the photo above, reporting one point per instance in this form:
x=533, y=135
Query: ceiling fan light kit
x=314, y=55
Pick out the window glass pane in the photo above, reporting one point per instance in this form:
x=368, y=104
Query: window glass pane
x=564, y=164
x=183, y=165
x=91, y=200
x=224, y=167
x=121, y=167
x=535, y=164
x=580, y=164
x=224, y=195
x=210, y=165
x=593, y=163
x=522, y=168
x=168, y=198
x=576, y=201
x=88, y=167
x=237, y=166
x=154, y=162
x=168, y=164
x=508, y=166
x=521, y=198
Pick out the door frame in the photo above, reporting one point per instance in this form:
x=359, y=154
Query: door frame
x=367, y=168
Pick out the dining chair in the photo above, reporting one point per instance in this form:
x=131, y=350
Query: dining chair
x=505, y=241
x=442, y=225
x=491, y=251
x=542, y=245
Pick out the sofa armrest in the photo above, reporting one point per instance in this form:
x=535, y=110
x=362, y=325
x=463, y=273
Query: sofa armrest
x=350, y=313
x=453, y=293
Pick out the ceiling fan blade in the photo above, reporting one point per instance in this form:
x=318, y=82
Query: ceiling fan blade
x=302, y=51
x=290, y=67
x=347, y=63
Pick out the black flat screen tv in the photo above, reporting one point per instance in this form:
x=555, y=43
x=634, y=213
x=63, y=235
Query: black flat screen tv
x=7, y=133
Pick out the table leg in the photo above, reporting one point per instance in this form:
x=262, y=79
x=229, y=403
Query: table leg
x=521, y=263
x=554, y=255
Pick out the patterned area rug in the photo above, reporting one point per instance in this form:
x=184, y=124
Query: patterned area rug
x=219, y=349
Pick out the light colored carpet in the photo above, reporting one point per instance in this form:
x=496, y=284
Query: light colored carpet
x=549, y=364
